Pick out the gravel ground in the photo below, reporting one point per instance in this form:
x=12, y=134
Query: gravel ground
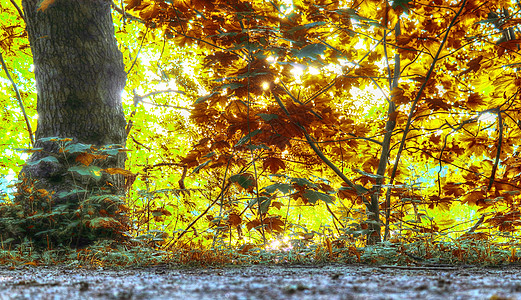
x=263, y=282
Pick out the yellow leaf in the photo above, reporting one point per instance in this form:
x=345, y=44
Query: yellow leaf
x=43, y=192
x=132, y=3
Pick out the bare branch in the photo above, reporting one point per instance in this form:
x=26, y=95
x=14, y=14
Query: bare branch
x=19, y=97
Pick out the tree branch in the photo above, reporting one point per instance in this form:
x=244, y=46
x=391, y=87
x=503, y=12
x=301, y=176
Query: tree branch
x=18, y=9
x=420, y=92
x=498, y=152
x=19, y=97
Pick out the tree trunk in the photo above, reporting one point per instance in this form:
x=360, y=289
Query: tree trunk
x=80, y=75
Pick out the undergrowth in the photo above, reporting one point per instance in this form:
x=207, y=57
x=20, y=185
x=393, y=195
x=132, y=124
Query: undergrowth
x=106, y=254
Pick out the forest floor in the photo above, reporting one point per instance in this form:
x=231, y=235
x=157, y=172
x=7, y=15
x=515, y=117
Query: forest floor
x=263, y=282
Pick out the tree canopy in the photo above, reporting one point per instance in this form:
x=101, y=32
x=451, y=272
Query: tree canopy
x=340, y=122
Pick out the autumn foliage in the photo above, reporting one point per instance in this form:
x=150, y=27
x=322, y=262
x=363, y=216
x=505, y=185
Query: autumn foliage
x=400, y=107
x=374, y=119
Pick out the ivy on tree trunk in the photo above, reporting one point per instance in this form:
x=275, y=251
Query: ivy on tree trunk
x=80, y=75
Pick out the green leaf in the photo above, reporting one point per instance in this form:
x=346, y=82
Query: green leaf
x=50, y=159
x=268, y=117
x=102, y=222
x=306, y=26
x=199, y=167
x=313, y=196
x=264, y=203
x=244, y=181
x=112, y=150
x=375, y=176
x=283, y=187
x=92, y=171
x=30, y=150
x=247, y=137
x=77, y=148
x=157, y=213
x=311, y=51
x=302, y=182
x=52, y=139
x=232, y=86
x=73, y=192
x=204, y=98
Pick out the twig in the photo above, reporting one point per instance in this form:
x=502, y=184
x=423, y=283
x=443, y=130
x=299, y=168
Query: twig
x=125, y=14
x=335, y=217
x=181, y=181
x=140, y=144
x=420, y=92
x=200, y=216
x=478, y=223
x=389, y=127
x=138, y=51
x=498, y=153
x=18, y=9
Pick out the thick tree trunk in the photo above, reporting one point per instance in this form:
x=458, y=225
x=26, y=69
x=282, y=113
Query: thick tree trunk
x=80, y=75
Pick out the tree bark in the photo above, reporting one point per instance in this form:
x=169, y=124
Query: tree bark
x=79, y=75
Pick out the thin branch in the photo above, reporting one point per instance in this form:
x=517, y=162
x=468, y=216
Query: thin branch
x=19, y=98
x=420, y=92
x=135, y=141
x=478, y=223
x=386, y=143
x=498, y=153
x=335, y=217
x=138, y=51
x=18, y=9
x=125, y=14
x=200, y=216
x=319, y=152
x=145, y=169
x=166, y=105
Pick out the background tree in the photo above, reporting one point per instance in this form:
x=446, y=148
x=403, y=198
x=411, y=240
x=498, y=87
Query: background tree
x=289, y=79
x=79, y=75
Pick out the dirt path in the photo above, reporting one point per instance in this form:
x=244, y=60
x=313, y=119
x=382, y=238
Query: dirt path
x=262, y=282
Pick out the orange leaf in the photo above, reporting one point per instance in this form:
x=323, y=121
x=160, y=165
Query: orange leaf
x=234, y=219
x=273, y=164
x=132, y=3
x=274, y=224
x=510, y=23
x=252, y=224
x=150, y=11
x=277, y=204
x=474, y=197
x=473, y=65
x=244, y=249
x=87, y=158
x=329, y=247
x=123, y=172
x=45, y=4
x=43, y=192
